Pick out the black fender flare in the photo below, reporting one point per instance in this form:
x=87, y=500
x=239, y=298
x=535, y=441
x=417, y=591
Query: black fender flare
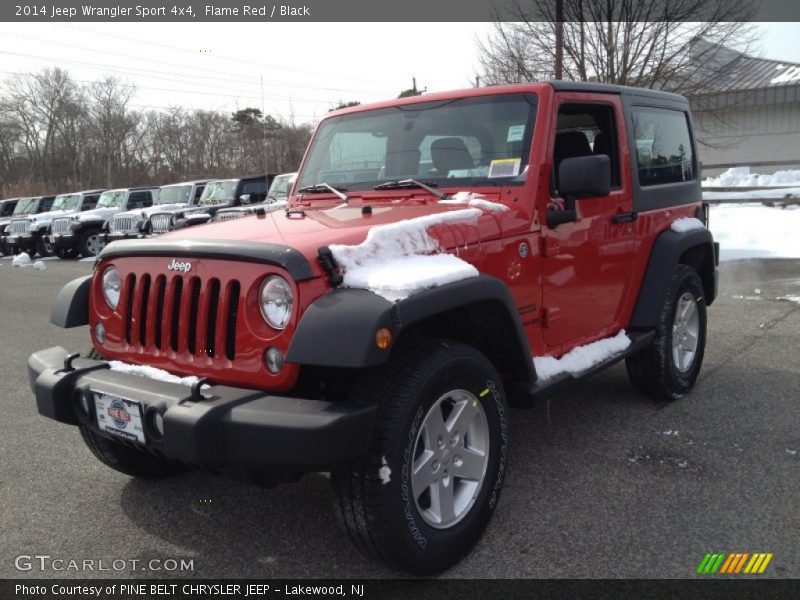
x=338, y=329
x=666, y=253
x=71, y=308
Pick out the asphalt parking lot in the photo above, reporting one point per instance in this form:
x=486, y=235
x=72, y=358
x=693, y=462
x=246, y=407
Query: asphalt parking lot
x=601, y=482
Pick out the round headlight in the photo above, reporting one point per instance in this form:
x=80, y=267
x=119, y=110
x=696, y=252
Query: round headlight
x=276, y=301
x=111, y=286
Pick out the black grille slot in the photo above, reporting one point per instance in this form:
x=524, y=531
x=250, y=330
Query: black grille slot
x=143, y=310
x=131, y=290
x=176, y=313
x=195, y=291
x=161, y=285
x=211, y=325
x=233, y=311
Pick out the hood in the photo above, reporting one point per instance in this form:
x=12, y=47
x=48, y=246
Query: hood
x=97, y=214
x=311, y=229
x=50, y=215
x=160, y=208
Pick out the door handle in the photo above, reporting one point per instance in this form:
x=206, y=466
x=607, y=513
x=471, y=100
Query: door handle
x=627, y=217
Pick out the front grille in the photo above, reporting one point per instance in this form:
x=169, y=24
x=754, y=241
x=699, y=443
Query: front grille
x=122, y=223
x=161, y=223
x=229, y=216
x=19, y=226
x=60, y=225
x=182, y=314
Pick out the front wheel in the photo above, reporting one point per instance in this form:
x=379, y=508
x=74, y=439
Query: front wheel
x=91, y=243
x=669, y=368
x=422, y=497
x=43, y=246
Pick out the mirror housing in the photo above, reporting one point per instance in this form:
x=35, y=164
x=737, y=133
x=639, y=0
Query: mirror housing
x=584, y=176
x=245, y=198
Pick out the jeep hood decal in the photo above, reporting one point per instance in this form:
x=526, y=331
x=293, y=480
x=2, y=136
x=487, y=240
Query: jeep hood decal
x=270, y=254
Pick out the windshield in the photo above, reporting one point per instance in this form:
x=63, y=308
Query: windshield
x=470, y=142
x=66, y=202
x=174, y=194
x=280, y=187
x=26, y=206
x=111, y=199
x=218, y=192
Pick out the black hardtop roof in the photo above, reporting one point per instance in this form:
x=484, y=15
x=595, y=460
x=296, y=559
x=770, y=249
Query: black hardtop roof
x=11, y=199
x=140, y=188
x=608, y=88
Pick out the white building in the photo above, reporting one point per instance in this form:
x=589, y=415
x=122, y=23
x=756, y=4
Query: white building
x=752, y=117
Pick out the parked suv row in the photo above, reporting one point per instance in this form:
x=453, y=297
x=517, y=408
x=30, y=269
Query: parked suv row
x=82, y=223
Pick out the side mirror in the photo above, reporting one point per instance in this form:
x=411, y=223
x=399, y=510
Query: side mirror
x=245, y=198
x=584, y=176
x=580, y=177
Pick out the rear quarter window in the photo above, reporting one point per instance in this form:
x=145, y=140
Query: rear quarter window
x=664, y=151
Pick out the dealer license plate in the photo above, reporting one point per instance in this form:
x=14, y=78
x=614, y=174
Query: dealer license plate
x=119, y=416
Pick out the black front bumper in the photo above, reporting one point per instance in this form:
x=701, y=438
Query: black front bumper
x=64, y=241
x=24, y=242
x=121, y=235
x=233, y=429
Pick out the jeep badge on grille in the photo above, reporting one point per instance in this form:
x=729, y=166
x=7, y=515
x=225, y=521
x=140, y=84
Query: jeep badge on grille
x=179, y=266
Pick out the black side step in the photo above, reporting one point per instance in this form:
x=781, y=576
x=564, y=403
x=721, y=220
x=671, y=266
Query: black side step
x=639, y=341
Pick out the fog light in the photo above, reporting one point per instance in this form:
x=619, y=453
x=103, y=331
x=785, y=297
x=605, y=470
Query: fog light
x=100, y=333
x=274, y=359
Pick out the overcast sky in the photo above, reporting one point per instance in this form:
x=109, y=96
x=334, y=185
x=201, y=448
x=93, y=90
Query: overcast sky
x=306, y=68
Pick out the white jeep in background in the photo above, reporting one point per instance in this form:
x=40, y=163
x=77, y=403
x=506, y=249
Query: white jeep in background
x=84, y=234
x=138, y=223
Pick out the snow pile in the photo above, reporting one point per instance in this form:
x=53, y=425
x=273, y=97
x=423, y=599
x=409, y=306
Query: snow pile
x=22, y=259
x=686, y=224
x=755, y=231
x=476, y=201
x=580, y=358
x=742, y=177
x=150, y=373
x=795, y=299
x=39, y=265
x=398, y=259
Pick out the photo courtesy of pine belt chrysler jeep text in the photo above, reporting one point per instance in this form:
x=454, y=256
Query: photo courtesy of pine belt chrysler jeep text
x=440, y=259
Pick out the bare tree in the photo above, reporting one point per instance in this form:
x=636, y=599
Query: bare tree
x=666, y=44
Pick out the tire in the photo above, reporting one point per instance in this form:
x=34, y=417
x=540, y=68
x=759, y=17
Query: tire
x=43, y=246
x=388, y=513
x=666, y=370
x=91, y=243
x=64, y=253
x=122, y=457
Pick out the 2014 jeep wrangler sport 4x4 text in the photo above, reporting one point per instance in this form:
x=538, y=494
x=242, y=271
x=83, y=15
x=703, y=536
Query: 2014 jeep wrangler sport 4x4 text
x=441, y=258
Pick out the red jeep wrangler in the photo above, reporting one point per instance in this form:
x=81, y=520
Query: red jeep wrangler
x=441, y=257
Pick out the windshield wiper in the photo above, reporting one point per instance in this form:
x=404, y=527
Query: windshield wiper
x=411, y=183
x=322, y=188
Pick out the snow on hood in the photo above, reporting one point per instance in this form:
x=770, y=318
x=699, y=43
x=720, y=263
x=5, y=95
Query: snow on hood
x=397, y=259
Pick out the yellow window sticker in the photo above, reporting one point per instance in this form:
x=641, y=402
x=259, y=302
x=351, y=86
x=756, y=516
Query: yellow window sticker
x=505, y=167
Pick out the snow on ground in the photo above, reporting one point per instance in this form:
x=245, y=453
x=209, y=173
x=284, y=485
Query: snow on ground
x=21, y=260
x=580, y=358
x=684, y=225
x=39, y=265
x=150, y=372
x=755, y=231
x=399, y=259
x=742, y=177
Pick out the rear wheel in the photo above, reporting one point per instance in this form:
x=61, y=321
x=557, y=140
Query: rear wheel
x=91, y=243
x=123, y=457
x=425, y=492
x=669, y=368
